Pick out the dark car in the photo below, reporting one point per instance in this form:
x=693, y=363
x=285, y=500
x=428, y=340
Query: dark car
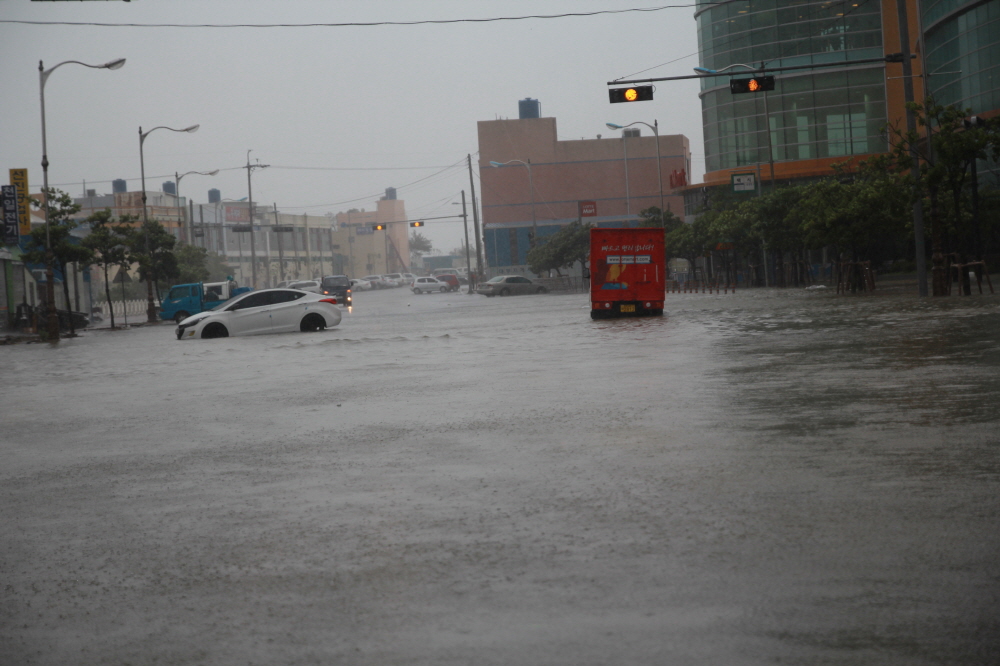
x=338, y=286
x=509, y=285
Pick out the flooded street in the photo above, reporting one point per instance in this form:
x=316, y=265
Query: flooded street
x=769, y=477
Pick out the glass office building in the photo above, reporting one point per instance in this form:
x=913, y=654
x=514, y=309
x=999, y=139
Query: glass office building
x=835, y=112
x=962, y=40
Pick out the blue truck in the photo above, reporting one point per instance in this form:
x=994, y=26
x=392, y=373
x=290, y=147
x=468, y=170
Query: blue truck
x=184, y=300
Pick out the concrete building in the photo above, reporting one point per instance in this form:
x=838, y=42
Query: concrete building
x=606, y=180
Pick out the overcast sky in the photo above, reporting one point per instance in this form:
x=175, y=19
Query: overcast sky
x=340, y=113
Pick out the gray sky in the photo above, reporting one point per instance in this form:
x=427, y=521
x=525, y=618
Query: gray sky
x=340, y=113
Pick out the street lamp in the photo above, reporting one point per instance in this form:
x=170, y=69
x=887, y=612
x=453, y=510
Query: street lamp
x=50, y=295
x=531, y=188
x=767, y=115
x=150, y=308
x=253, y=248
x=656, y=132
x=177, y=195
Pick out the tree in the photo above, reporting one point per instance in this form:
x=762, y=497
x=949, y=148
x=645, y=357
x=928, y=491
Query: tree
x=946, y=149
x=191, y=263
x=108, y=243
x=158, y=261
x=419, y=244
x=65, y=249
x=561, y=250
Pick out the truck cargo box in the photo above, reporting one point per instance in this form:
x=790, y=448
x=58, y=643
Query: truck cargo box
x=627, y=272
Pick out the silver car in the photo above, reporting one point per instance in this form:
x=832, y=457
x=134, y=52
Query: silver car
x=510, y=285
x=423, y=285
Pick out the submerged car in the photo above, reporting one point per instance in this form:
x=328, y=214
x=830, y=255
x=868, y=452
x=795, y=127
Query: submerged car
x=510, y=285
x=264, y=311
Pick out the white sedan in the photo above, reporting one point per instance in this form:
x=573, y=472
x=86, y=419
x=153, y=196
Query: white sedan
x=264, y=311
x=422, y=285
x=360, y=284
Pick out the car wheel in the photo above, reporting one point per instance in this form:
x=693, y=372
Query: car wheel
x=181, y=316
x=541, y=290
x=312, y=323
x=505, y=292
x=443, y=289
x=215, y=331
x=416, y=291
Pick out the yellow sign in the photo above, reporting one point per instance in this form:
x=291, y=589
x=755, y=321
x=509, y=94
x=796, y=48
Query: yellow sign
x=19, y=179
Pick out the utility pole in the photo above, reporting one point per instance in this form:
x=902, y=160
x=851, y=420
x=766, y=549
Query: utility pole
x=253, y=248
x=281, y=256
x=911, y=127
x=475, y=222
x=468, y=259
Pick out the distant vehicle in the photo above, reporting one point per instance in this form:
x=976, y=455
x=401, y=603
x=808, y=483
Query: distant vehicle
x=510, y=285
x=264, y=311
x=409, y=278
x=395, y=279
x=423, y=285
x=184, y=300
x=627, y=272
x=284, y=283
x=376, y=280
x=453, y=282
x=306, y=285
x=360, y=284
x=339, y=286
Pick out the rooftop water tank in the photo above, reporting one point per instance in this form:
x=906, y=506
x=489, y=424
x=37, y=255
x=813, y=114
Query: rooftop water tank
x=169, y=187
x=119, y=185
x=214, y=196
x=390, y=193
x=529, y=108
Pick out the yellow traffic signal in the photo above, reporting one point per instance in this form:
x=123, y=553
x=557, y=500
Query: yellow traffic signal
x=416, y=224
x=378, y=227
x=634, y=94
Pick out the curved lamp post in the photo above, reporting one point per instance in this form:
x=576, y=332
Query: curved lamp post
x=43, y=76
x=177, y=194
x=531, y=187
x=656, y=132
x=767, y=115
x=150, y=307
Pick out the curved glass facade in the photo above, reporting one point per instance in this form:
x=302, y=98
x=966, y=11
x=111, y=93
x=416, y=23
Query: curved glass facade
x=833, y=112
x=963, y=52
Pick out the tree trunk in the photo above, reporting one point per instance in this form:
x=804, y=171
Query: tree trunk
x=939, y=275
x=107, y=292
x=69, y=305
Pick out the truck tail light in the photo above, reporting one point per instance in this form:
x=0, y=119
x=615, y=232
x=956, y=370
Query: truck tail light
x=328, y=300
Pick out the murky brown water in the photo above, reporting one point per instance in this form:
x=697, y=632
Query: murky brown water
x=771, y=477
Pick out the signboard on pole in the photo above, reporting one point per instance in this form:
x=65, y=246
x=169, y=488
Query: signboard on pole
x=237, y=214
x=8, y=204
x=19, y=179
x=744, y=182
x=588, y=208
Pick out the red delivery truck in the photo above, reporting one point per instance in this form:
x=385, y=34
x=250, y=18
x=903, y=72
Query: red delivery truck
x=627, y=272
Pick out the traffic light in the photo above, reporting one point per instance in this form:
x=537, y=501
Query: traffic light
x=416, y=224
x=634, y=94
x=379, y=227
x=756, y=84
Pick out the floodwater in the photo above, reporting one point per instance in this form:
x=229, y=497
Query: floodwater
x=769, y=477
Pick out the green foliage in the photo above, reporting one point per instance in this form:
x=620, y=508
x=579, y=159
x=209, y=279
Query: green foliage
x=152, y=246
x=419, y=243
x=109, y=245
x=561, y=250
x=191, y=263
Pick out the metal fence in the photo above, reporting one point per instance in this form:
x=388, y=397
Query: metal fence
x=136, y=308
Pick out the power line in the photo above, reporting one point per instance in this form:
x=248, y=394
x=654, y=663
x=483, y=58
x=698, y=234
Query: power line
x=353, y=24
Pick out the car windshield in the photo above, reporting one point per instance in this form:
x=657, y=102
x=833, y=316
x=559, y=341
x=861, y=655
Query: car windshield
x=336, y=281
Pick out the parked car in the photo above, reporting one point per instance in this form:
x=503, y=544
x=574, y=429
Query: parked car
x=360, y=284
x=423, y=285
x=306, y=285
x=395, y=279
x=376, y=281
x=451, y=279
x=338, y=286
x=264, y=311
x=409, y=278
x=510, y=285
